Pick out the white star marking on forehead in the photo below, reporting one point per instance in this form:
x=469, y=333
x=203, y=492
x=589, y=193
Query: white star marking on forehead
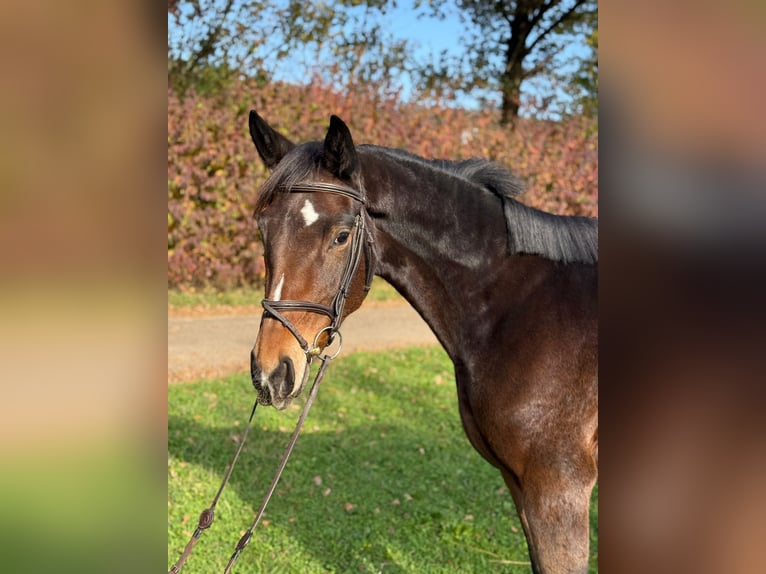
x=309, y=213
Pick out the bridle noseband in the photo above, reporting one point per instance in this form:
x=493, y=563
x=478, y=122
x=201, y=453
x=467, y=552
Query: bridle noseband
x=361, y=242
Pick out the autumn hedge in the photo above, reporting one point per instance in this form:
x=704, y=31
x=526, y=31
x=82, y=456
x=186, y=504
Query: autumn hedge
x=214, y=172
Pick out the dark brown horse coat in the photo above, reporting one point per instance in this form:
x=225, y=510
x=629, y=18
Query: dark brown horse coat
x=510, y=292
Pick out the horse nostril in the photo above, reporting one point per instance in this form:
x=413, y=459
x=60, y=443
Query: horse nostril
x=287, y=372
x=255, y=373
x=255, y=370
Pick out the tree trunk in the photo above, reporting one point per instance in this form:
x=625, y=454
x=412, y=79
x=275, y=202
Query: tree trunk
x=513, y=74
x=511, y=94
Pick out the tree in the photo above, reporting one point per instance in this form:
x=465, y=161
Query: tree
x=509, y=42
x=506, y=43
x=199, y=50
x=210, y=41
x=584, y=83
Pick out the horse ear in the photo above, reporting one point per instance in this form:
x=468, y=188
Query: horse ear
x=339, y=152
x=271, y=146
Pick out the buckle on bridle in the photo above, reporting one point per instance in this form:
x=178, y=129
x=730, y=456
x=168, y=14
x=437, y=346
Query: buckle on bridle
x=316, y=350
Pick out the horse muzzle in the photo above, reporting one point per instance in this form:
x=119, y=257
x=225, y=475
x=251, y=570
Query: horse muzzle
x=278, y=387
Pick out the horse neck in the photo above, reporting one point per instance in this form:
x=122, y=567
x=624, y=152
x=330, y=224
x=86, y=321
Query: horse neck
x=440, y=243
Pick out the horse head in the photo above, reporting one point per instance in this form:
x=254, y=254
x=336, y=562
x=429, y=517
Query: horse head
x=317, y=249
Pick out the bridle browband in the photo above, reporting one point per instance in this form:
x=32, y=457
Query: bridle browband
x=361, y=242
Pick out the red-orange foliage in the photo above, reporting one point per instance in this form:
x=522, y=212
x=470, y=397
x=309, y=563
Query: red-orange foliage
x=214, y=172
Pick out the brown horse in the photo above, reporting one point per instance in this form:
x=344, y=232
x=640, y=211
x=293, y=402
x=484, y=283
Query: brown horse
x=510, y=292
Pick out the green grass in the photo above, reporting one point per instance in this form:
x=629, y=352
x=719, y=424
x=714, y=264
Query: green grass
x=381, y=292
x=382, y=478
x=209, y=297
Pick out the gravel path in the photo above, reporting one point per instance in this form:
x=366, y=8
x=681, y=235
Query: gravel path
x=216, y=346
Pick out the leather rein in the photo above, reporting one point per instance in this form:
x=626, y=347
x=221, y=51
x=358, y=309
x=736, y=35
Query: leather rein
x=361, y=242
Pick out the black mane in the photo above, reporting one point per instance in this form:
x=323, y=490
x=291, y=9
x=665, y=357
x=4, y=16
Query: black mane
x=567, y=239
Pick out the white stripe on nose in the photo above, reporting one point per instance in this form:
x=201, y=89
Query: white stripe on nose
x=278, y=291
x=309, y=213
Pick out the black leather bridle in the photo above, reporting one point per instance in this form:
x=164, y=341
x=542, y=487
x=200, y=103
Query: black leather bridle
x=361, y=242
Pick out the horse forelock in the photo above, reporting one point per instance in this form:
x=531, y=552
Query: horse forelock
x=302, y=164
x=299, y=165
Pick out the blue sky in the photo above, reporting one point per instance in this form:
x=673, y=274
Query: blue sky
x=433, y=35
x=427, y=35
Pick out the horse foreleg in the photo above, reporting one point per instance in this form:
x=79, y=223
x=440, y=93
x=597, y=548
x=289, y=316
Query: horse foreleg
x=556, y=506
x=513, y=485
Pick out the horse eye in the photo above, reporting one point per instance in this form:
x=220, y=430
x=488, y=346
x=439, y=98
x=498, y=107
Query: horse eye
x=341, y=238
